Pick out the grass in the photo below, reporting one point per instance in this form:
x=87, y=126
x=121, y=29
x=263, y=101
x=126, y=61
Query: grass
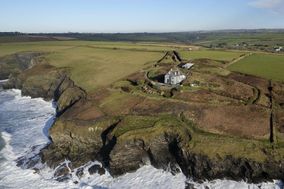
x=211, y=54
x=223, y=146
x=92, y=64
x=151, y=127
x=53, y=46
x=264, y=39
x=130, y=123
x=92, y=68
x=264, y=65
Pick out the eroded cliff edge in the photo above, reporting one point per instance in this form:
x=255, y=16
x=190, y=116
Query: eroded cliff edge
x=126, y=139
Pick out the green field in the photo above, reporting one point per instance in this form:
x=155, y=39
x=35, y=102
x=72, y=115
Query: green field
x=263, y=65
x=211, y=54
x=92, y=68
x=51, y=46
x=93, y=64
x=96, y=64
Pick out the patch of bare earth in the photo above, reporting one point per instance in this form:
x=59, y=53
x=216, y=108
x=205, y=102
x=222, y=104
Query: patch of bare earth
x=249, y=121
x=205, y=96
x=260, y=84
x=222, y=86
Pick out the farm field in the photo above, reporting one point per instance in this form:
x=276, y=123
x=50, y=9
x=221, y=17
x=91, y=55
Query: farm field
x=92, y=68
x=50, y=46
x=211, y=54
x=97, y=64
x=264, y=65
x=93, y=64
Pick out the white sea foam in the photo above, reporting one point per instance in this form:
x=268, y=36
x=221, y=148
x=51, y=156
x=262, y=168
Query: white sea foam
x=24, y=125
x=3, y=81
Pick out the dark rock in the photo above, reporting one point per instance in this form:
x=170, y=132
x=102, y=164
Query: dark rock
x=189, y=186
x=64, y=178
x=62, y=171
x=127, y=156
x=76, y=182
x=201, y=167
x=80, y=172
x=101, y=171
x=96, y=169
x=68, y=98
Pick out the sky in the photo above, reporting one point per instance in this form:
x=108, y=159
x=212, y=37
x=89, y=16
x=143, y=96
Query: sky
x=113, y=16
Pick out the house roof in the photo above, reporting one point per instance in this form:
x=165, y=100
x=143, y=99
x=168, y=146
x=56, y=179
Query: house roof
x=175, y=72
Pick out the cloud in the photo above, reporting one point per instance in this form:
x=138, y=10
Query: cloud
x=276, y=6
x=267, y=4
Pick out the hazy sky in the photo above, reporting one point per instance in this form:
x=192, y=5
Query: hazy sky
x=138, y=15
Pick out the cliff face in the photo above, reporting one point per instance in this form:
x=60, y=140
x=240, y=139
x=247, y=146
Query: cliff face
x=49, y=83
x=16, y=63
x=82, y=132
x=82, y=141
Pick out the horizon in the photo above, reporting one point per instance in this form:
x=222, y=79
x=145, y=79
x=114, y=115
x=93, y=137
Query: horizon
x=145, y=16
x=145, y=32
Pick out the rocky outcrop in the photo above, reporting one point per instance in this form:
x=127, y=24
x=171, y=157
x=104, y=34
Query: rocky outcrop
x=85, y=141
x=129, y=155
x=68, y=98
x=47, y=82
x=200, y=167
x=12, y=64
x=77, y=141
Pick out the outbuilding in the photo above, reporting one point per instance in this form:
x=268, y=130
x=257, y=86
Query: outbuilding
x=187, y=66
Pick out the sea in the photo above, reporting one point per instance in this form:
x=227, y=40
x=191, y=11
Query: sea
x=24, y=124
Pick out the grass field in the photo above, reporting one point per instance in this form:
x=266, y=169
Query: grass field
x=51, y=46
x=263, y=65
x=92, y=68
x=93, y=64
x=211, y=54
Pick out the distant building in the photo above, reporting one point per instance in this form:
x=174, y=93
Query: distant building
x=174, y=77
x=187, y=66
x=278, y=49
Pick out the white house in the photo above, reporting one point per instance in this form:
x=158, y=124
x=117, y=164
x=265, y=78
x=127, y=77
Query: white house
x=174, y=76
x=187, y=66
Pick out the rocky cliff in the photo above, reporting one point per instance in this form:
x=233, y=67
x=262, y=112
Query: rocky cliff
x=84, y=132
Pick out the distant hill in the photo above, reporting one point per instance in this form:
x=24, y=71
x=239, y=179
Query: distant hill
x=240, y=39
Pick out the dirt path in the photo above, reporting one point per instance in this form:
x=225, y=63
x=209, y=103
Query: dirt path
x=238, y=59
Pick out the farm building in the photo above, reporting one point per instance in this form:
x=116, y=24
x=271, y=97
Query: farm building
x=187, y=66
x=174, y=76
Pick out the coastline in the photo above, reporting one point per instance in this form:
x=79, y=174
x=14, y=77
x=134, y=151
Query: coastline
x=138, y=178
x=83, y=140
